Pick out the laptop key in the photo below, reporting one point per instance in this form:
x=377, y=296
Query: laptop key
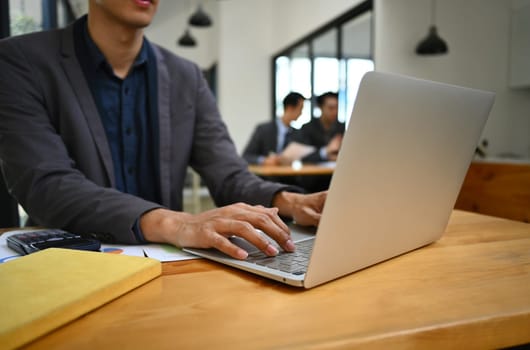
x=295, y=262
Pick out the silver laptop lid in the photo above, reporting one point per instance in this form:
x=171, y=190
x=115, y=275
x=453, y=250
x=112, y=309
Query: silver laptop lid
x=402, y=162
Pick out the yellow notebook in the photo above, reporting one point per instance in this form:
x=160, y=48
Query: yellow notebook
x=44, y=290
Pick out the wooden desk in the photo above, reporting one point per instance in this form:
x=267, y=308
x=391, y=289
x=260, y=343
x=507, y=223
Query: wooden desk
x=471, y=289
x=287, y=170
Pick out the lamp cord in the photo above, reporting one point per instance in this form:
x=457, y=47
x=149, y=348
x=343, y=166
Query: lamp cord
x=433, y=12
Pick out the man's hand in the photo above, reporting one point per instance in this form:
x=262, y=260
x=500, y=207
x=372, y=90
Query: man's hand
x=305, y=209
x=212, y=228
x=333, y=147
x=272, y=159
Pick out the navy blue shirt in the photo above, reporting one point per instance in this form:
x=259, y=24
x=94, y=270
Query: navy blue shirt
x=128, y=111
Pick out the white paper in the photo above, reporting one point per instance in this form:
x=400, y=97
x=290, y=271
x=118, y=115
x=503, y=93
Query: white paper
x=167, y=252
x=296, y=151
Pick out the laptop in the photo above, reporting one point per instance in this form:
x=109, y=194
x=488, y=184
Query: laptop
x=402, y=162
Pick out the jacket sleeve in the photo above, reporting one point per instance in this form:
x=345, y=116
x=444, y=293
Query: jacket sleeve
x=36, y=163
x=215, y=158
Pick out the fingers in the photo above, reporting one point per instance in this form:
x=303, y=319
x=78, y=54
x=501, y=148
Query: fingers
x=320, y=199
x=224, y=245
x=272, y=214
x=267, y=220
x=309, y=209
x=229, y=227
x=309, y=217
x=241, y=220
x=212, y=228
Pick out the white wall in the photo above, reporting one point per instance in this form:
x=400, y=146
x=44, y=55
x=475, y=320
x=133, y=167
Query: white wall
x=477, y=33
x=294, y=19
x=170, y=22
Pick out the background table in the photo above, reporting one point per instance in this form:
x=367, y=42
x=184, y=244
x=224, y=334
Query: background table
x=288, y=170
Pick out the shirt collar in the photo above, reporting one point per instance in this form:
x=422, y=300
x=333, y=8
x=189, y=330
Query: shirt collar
x=281, y=126
x=97, y=58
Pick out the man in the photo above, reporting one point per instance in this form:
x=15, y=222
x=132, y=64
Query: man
x=269, y=139
x=324, y=133
x=98, y=127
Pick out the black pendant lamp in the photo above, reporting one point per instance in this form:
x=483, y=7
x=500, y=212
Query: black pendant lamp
x=432, y=44
x=187, y=40
x=200, y=18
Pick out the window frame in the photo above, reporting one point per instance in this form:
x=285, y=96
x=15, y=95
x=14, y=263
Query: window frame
x=336, y=23
x=49, y=15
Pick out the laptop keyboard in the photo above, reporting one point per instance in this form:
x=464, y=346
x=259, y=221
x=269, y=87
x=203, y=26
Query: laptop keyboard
x=295, y=262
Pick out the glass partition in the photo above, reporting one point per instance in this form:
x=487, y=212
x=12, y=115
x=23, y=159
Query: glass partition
x=356, y=60
x=326, y=63
x=332, y=58
x=25, y=16
x=293, y=73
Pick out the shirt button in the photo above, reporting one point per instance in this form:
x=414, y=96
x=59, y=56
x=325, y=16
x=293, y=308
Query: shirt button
x=128, y=131
x=126, y=91
x=130, y=170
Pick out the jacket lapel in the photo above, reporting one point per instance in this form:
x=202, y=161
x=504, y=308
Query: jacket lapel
x=87, y=105
x=163, y=126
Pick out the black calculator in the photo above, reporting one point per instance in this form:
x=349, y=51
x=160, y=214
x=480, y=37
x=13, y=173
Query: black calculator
x=28, y=242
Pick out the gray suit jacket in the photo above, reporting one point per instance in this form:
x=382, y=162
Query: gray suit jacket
x=55, y=155
x=264, y=140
